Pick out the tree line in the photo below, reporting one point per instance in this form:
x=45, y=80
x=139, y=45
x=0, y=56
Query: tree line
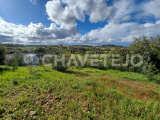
x=148, y=48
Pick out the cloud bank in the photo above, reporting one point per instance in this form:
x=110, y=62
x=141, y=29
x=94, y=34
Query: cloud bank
x=122, y=17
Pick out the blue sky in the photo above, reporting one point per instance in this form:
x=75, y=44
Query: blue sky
x=23, y=12
x=70, y=22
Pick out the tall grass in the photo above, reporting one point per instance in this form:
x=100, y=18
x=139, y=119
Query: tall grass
x=88, y=93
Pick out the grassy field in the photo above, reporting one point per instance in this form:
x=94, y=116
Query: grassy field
x=88, y=94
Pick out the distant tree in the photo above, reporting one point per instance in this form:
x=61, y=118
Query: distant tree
x=63, y=47
x=19, y=48
x=2, y=54
x=51, y=48
x=40, y=50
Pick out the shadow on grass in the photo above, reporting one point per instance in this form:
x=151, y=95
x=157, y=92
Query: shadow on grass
x=3, y=69
x=77, y=73
x=102, y=68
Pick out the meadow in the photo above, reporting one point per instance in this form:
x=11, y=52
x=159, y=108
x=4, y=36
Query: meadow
x=90, y=94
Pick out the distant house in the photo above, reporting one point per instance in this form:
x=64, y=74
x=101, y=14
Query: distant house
x=112, y=48
x=8, y=58
x=8, y=55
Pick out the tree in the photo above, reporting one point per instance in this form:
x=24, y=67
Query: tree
x=51, y=48
x=14, y=63
x=2, y=54
x=40, y=50
x=19, y=57
x=149, y=49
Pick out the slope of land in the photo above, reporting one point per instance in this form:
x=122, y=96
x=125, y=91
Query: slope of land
x=89, y=93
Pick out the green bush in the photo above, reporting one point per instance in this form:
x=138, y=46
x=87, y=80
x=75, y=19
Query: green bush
x=59, y=66
x=2, y=54
x=148, y=48
x=150, y=70
x=14, y=63
x=19, y=57
x=15, y=60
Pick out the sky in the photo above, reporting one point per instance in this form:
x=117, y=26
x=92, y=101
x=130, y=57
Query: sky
x=78, y=22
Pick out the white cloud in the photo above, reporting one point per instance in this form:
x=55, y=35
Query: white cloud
x=33, y=2
x=126, y=18
x=158, y=22
x=66, y=16
x=122, y=32
x=124, y=8
x=152, y=8
x=40, y=34
x=61, y=16
x=33, y=32
x=65, y=13
x=97, y=10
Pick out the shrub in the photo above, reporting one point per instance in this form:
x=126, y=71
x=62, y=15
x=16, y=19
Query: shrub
x=59, y=66
x=14, y=63
x=19, y=57
x=150, y=70
x=2, y=54
x=39, y=50
x=15, y=60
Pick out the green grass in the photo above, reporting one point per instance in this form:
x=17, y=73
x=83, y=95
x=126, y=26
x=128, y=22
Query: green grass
x=88, y=93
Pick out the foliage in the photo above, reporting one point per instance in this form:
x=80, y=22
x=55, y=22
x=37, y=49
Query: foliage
x=19, y=57
x=150, y=70
x=14, y=63
x=2, y=54
x=15, y=60
x=51, y=48
x=40, y=50
x=149, y=49
x=60, y=66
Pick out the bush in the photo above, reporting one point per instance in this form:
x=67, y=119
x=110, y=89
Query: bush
x=19, y=57
x=14, y=63
x=40, y=50
x=59, y=66
x=150, y=70
x=147, y=48
x=15, y=60
x=2, y=54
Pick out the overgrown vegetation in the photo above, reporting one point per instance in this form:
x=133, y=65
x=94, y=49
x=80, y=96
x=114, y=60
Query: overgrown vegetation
x=15, y=60
x=82, y=92
x=89, y=93
x=2, y=54
x=149, y=49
